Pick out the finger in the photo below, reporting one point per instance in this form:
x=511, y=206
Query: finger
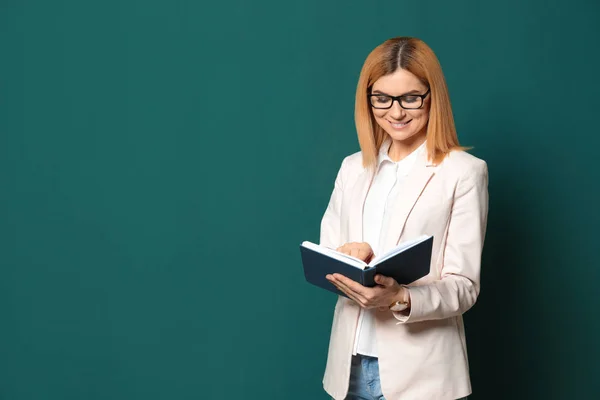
x=345, y=249
x=384, y=280
x=360, y=253
x=363, y=254
x=352, y=285
x=346, y=289
x=369, y=297
x=348, y=293
x=366, y=247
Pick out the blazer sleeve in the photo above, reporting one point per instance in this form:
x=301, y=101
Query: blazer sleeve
x=458, y=288
x=330, y=223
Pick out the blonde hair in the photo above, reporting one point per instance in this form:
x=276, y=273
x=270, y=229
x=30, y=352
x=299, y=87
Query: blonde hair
x=415, y=56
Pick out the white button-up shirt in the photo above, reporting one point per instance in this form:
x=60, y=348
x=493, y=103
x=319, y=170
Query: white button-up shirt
x=387, y=185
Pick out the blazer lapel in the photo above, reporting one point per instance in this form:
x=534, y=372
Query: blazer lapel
x=415, y=183
x=356, y=206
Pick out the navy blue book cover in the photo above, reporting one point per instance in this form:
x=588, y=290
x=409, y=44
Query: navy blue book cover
x=405, y=267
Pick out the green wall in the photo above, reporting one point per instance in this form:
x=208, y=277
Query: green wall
x=161, y=161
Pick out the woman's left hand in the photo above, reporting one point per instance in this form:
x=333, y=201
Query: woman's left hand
x=386, y=292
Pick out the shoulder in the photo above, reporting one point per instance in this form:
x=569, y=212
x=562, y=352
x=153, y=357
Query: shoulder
x=464, y=165
x=351, y=168
x=353, y=162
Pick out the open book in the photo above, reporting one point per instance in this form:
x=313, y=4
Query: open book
x=407, y=262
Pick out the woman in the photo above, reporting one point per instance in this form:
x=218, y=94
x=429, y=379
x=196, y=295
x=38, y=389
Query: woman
x=410, y=178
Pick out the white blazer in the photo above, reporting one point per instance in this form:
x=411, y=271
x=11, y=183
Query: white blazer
x=423, y=355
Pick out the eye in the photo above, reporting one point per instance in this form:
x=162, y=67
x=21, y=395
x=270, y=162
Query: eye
x=382, y=99
x=411, y=99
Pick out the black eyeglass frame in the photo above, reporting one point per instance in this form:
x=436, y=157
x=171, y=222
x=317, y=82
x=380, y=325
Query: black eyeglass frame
x=398, y=98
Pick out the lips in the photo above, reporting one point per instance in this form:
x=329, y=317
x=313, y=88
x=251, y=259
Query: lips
x=399, y=125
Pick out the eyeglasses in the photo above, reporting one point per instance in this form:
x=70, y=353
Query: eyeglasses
x=406, y=101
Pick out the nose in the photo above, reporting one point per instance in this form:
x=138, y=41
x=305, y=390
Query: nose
x=396, y=111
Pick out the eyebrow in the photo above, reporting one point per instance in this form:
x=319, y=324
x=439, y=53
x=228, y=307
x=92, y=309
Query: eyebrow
x=414, y=91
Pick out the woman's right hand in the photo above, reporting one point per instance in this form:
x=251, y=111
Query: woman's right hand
x=361, y=250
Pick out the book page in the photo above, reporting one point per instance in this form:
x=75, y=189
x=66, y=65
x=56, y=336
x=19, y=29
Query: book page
x=345, y=258
x=398, y=249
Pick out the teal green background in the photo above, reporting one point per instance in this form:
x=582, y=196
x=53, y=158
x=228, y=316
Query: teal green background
x=161, y=161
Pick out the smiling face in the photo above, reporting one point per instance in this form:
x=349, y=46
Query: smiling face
x=402, y=125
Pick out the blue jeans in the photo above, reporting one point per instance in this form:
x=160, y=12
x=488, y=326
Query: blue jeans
x=364, y=379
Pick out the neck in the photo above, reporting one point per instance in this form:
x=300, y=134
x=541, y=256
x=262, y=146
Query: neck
x=399, y=149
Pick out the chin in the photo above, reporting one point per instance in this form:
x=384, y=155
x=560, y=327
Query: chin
x=401, y=136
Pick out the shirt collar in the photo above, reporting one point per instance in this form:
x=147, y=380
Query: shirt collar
x=408, y=160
